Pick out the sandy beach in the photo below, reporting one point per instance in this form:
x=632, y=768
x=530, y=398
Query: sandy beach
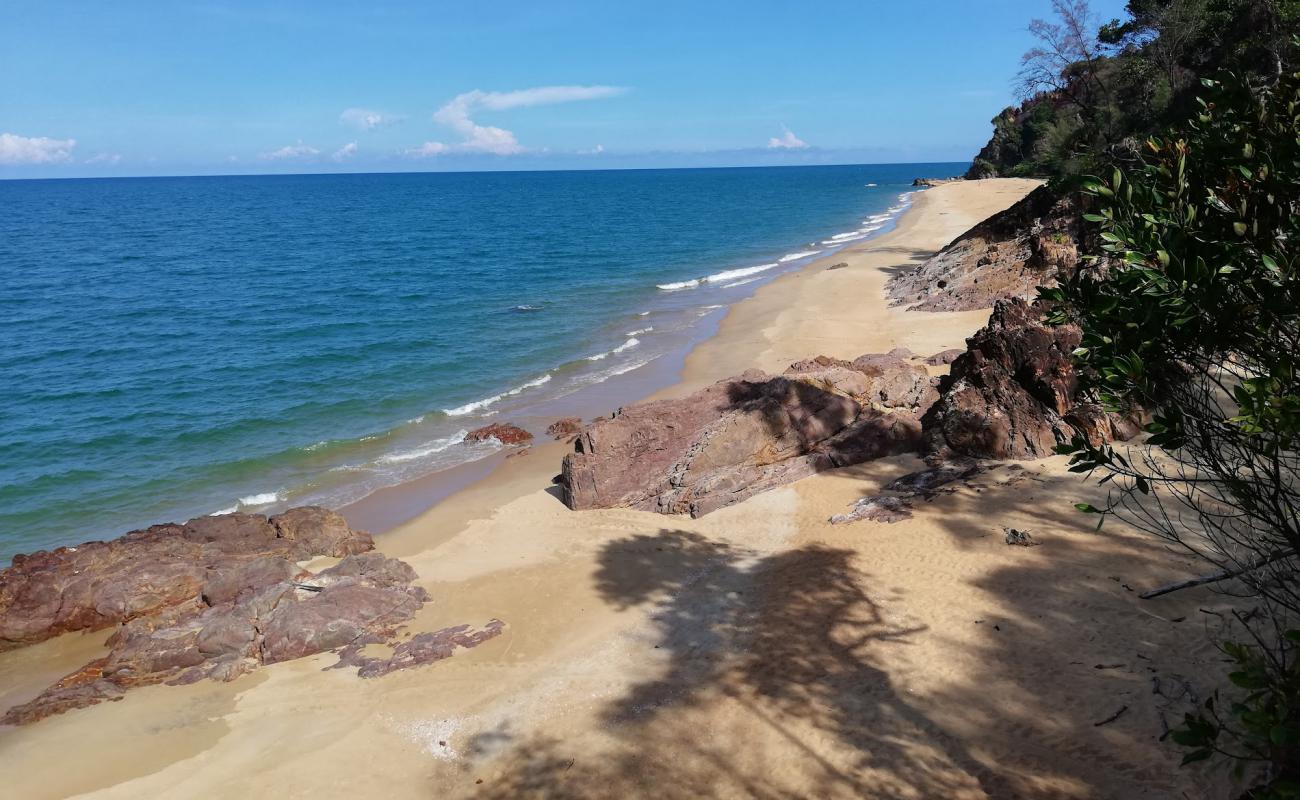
x=755, y=652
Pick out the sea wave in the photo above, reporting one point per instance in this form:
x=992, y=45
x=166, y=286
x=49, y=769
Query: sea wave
x=797, y=256
x=526, y=307
x=740, y=283
x=470, y=408
x=427, y=449
x=640, y=331
x=624, y=347
x=262, y=499
x=718, y=277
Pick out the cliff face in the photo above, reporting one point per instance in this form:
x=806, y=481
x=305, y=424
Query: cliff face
x=1008, y=255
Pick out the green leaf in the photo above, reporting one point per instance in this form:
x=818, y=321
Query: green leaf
x=1087, y=508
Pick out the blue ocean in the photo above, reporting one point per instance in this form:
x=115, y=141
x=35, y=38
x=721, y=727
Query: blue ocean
x=171, y=347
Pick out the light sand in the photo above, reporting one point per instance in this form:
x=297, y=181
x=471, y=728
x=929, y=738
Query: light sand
x=758, y=651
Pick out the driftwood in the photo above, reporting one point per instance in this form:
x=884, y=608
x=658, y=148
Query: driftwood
x=1215, y=577
x=1111, y=718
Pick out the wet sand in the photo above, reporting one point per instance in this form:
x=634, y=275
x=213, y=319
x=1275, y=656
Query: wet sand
x=756, y=652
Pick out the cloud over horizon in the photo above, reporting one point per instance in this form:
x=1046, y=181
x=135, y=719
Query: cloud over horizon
x=787, y=141
x=368, y=120
x=15, y=149
x=291, y=151
x=476, y=138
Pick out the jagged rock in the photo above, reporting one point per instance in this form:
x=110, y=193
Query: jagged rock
x=99, y=584
x=1013, y=394
x=564, y=428
x=1009, y=255
x=744, y=435
x=879, y=508
x=890, y=508
x=503, y=432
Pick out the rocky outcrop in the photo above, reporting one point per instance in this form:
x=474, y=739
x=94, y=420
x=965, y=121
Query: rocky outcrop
x=146, y=572
x=564, y=428
x=215, y=598
x=745, y=435
x=503, y=432
x=1014, y=393
x=1031, y=244
x=927, y=182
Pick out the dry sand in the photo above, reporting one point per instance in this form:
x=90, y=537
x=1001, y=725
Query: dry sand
x=757, y=652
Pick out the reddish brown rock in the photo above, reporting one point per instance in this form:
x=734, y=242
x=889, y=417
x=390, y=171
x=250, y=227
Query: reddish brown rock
x=361, y=600
x=99, y=584
x=503, y=432
x=564, y=428
x=745, y=435
x=1014, y=393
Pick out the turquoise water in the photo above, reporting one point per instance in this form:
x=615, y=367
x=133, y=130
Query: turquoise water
x=171, y=347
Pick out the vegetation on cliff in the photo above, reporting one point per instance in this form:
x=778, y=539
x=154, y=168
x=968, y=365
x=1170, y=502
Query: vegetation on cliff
x=1092, y=94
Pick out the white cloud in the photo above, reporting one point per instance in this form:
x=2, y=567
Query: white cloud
x=105, y=158
x=345, y=152
x=367, y=119
x=427, y=149
x=787, y=141
x=476, y=138
x=595, y=151
x=292, y=151
x=15, y=149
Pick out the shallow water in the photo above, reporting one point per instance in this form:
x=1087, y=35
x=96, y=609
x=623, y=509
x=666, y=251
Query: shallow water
x=171, y=347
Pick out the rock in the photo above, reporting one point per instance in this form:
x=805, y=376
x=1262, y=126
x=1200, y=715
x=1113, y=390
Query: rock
x=1009, y=255
x=214, y=598
x=503, y=432
x=1013, y=394
x=564, y=428
x=99, y=584
x=890, y=508
x=880, y=508
x=361, y=600
x=421, y=649
x=744, y=435
x=934, y=181
x=838, y=265
x=945, y=357
x=1020, y=538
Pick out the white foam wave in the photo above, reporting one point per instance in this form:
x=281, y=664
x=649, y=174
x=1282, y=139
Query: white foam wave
x=672, y=287
x=710, y=308
x=743, y=272
x=741, y=283
x=263, y=499
x=469, y=408
x=797, y=256
x=628, y=345
x=224, y=511
x=427, y=449
x=644, y=314
x=869, y=185
x=640, y=331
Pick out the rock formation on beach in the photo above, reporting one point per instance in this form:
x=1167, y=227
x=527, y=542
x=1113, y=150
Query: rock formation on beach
x=1014, y=393
x=1011, y=394
x=747, y=434
x=1008, y=255
x=504, y=432
x=214, y=598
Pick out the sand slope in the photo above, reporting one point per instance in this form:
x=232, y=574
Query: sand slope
x=757, y=652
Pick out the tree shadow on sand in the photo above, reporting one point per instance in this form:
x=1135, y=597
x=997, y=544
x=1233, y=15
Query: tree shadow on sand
x=790, y=643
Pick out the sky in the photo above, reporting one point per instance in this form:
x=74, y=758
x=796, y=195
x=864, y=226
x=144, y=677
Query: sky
x=90, y=88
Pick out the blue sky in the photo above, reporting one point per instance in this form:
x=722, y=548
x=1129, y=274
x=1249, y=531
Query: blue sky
x=136, y=88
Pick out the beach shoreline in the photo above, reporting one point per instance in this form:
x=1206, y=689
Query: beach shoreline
x=757, y=650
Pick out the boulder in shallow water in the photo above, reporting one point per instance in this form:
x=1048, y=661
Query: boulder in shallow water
x=503, y=432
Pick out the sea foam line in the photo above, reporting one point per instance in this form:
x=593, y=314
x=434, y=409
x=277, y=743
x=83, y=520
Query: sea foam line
x=718, y=277
x=622, y=348
x=428, y=449
x=469, y=408
x=796, y=256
